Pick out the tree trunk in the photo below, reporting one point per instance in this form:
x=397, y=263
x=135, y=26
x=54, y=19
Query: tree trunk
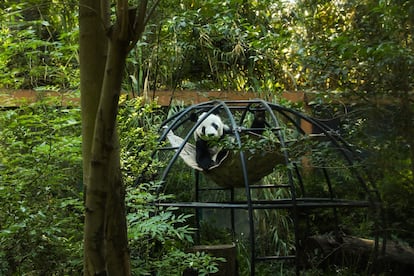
x=93, y=52
x=105, y=222
x=358, y=253
x=103, y=52
x=105, y=236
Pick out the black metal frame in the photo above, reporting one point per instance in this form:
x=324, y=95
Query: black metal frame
x=294, y=204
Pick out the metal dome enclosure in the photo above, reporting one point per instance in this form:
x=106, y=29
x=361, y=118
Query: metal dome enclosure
x=281, y=165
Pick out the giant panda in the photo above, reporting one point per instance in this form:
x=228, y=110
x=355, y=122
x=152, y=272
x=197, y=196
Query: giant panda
x=210, y=130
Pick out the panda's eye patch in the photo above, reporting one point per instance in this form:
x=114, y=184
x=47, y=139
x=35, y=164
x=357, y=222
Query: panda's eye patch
x=203, y=130
x=215, y=126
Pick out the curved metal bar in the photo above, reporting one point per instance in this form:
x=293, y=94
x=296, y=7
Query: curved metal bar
x=278, y=116
x=247, y=189
x=175, y=118
x=186, y=138
x=346, y=150
x=290, y=167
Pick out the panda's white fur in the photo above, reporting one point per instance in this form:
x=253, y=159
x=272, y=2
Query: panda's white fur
x=211, y=127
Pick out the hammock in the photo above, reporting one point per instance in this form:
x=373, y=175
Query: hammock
x=228, y=171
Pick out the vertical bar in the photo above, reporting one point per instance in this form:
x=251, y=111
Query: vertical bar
x=197, y=210
x=232, y=216
x=331, y=195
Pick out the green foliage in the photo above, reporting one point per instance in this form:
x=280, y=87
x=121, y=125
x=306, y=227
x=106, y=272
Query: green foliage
x=138, y=129
x=158, y=237
x=41, y=214
x=364, y=50
x=41, y=205
x=38, y=45
x=234, y=45
x=356, y=48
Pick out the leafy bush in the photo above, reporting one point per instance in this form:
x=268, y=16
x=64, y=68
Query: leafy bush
x=34, y=52
x=41, y=205
x=158, y=237
x=41, y=214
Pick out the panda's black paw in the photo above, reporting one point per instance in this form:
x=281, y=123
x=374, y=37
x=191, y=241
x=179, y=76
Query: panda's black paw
x=206, y=165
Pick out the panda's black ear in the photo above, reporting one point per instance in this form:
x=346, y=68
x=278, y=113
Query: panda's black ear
x=193, y=117
x=227, y=129
x=217, y=111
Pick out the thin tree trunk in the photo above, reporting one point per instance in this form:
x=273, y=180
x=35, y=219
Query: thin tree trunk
x=93, y=52
x=105, y=230
x=105, y=237
x=105, y=220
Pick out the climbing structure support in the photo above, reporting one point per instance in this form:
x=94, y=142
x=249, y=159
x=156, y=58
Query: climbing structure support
x=276, y=159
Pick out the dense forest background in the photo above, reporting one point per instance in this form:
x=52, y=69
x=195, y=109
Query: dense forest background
x=356, y=59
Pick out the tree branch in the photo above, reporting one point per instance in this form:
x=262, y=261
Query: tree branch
x=151, y=12
x=138, y=26
x=123, y=19
x=140, y=21
x=105, y=15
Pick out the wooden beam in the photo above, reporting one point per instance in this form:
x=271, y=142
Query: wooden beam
x=15, y=98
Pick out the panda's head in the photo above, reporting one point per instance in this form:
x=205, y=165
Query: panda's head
x=211, y=127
